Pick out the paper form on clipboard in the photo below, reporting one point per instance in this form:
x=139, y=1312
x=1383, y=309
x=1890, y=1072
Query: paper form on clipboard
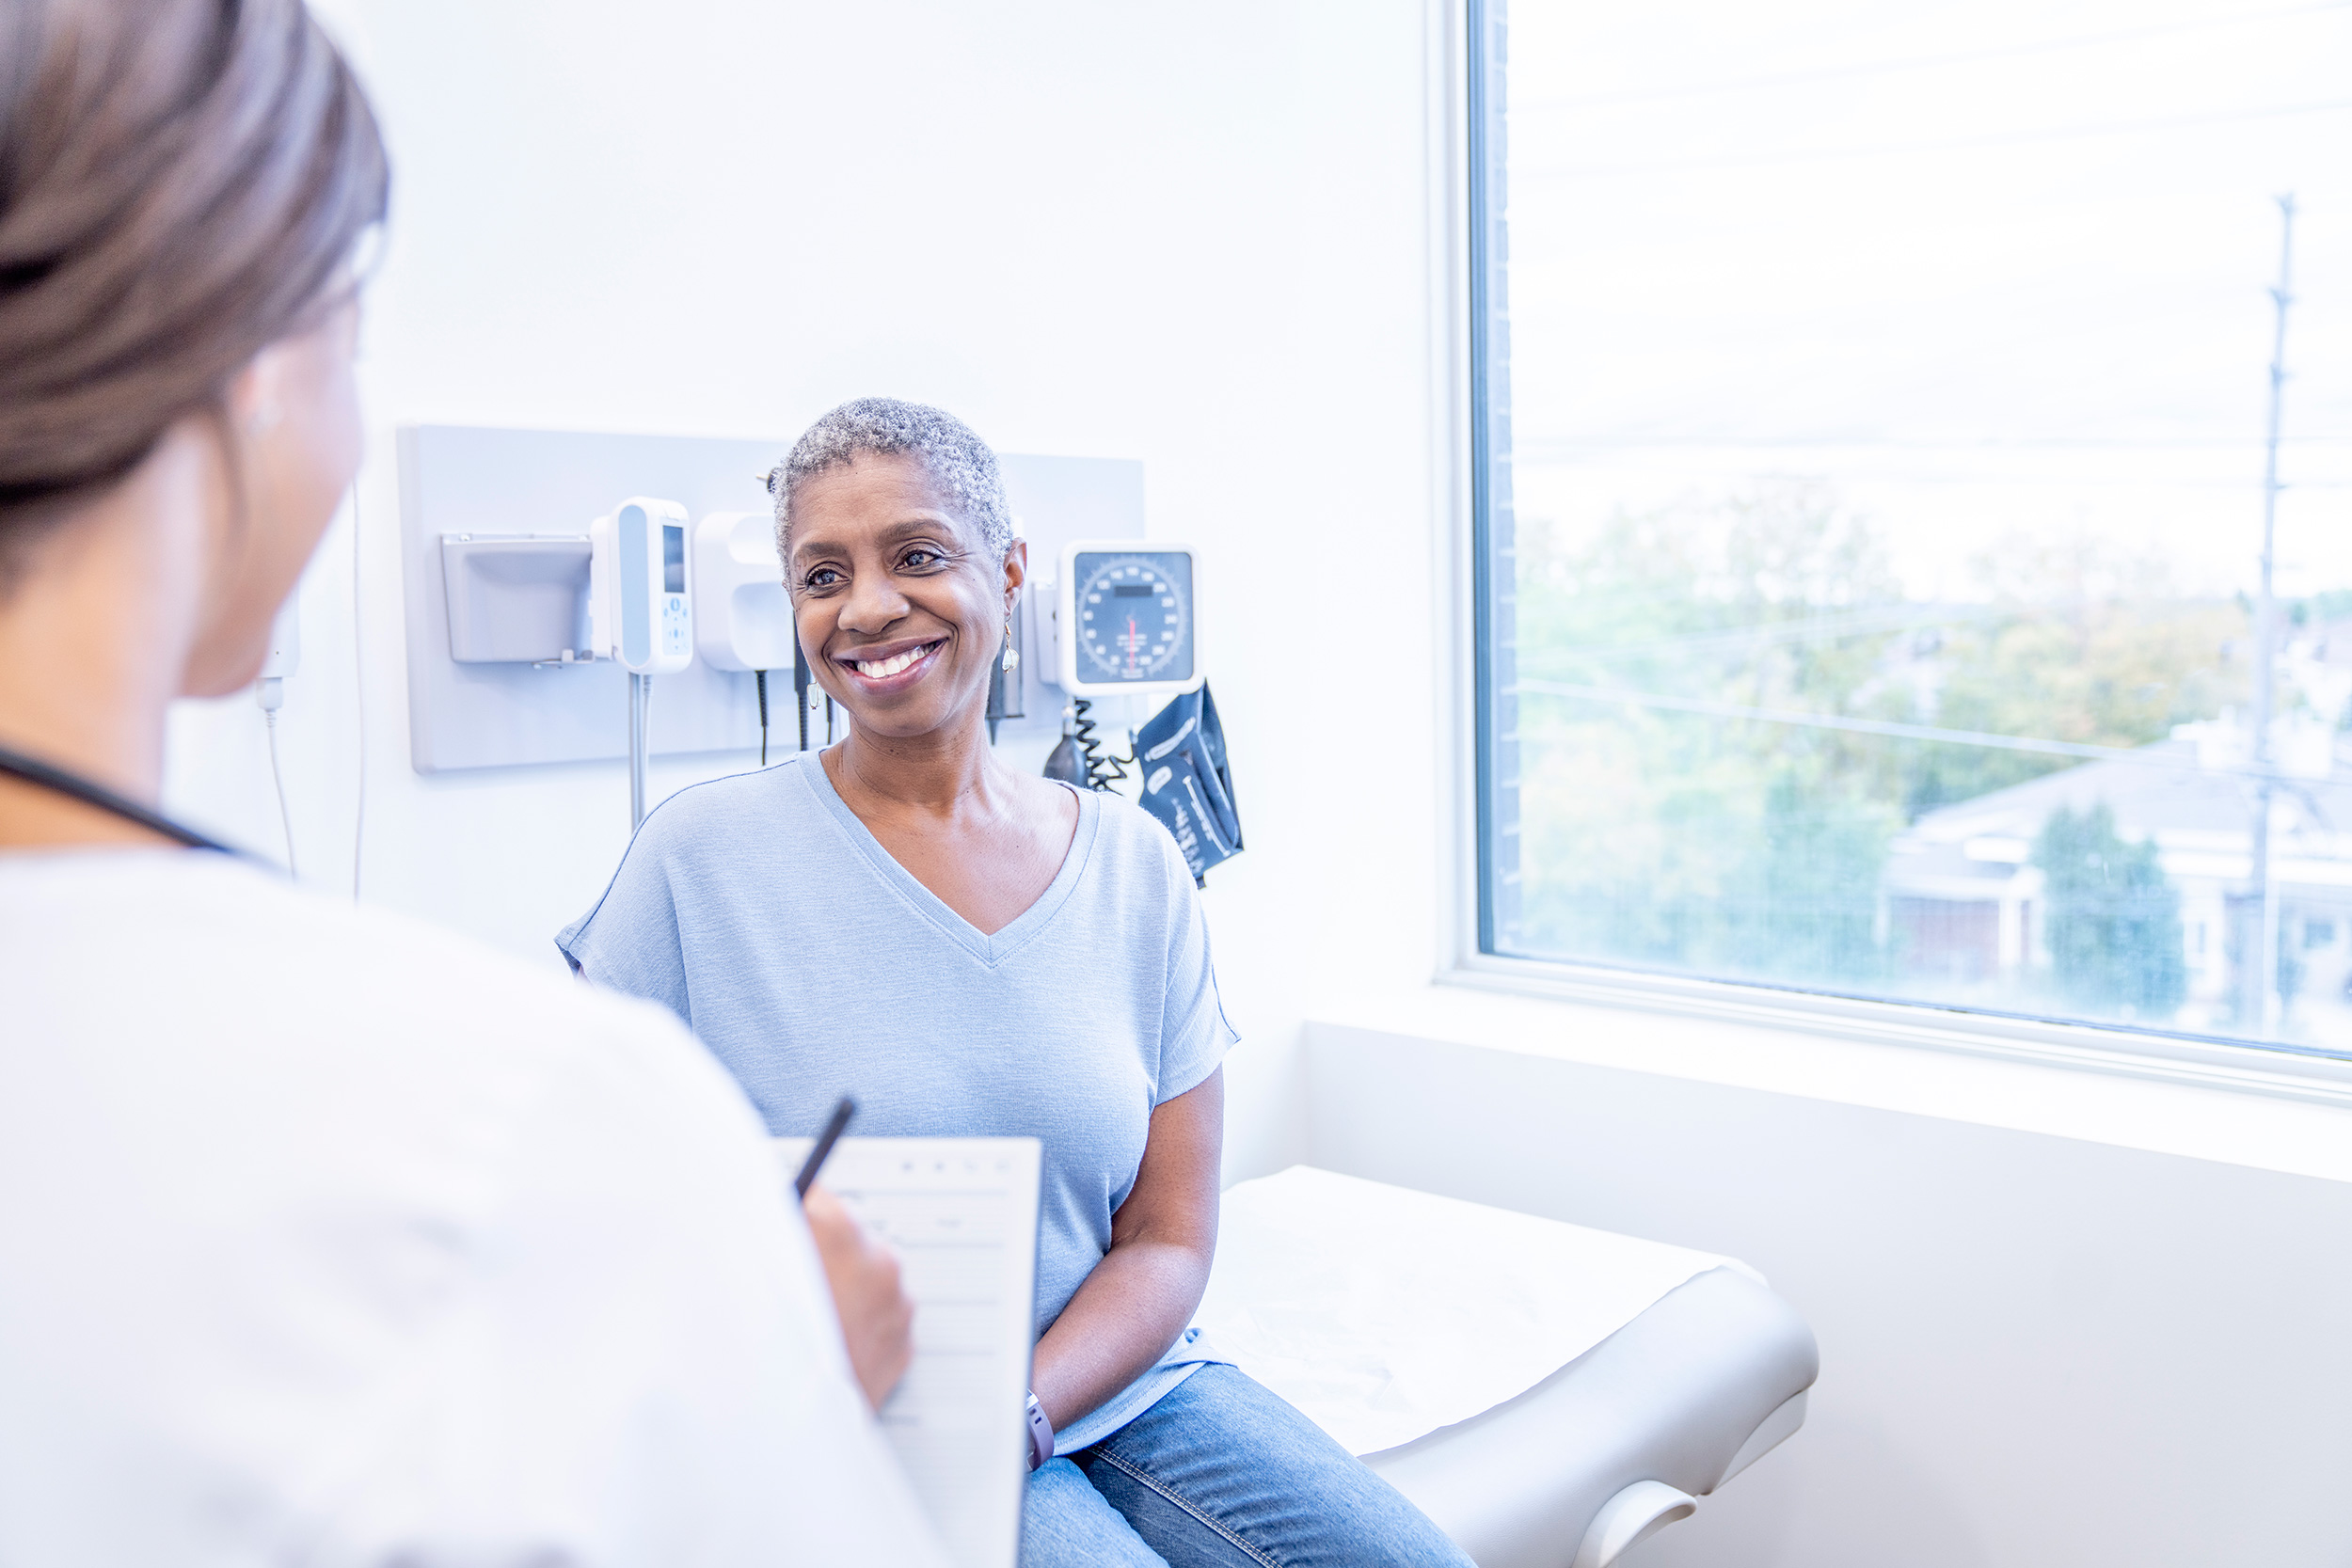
x=962, y=1216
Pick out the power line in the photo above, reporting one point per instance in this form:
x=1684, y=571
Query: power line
x=2138, y=757
x=2019, y=482
x=1917, y=62
x=1741, y=443
x=1958, y=144
x=1811, y=628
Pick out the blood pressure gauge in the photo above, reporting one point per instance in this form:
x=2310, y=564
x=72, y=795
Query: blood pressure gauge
x=1123, y=618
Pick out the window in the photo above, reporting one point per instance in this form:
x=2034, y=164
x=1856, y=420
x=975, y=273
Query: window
x=1879, y=589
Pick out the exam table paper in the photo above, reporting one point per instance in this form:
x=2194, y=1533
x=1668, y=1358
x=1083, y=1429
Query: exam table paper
x=962, y=1216
x=1383, y=1313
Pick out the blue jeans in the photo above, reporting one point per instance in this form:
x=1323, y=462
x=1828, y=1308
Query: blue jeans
x=1222, y=1474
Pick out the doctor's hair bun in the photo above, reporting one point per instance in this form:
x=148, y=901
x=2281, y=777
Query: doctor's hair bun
x=958, y=461
x=183, y=182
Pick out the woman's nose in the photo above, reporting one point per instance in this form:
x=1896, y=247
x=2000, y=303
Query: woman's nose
x=873, y=604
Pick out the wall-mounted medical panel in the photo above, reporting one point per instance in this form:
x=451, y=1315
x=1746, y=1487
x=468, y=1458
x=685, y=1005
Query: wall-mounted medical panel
x=494, y=526
x=494, y=546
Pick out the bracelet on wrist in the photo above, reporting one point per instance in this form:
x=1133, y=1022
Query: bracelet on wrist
x=1040, y=1434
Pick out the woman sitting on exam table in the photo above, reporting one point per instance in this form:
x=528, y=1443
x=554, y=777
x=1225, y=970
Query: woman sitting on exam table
x=970, y=950
x=325, y=1237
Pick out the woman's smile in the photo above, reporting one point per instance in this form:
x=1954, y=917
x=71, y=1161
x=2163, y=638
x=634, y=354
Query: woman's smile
x=891, y=666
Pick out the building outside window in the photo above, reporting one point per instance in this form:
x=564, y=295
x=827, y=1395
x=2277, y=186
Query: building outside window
x=1872, y=415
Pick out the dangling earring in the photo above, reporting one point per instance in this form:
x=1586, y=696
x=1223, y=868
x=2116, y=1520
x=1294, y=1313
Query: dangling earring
x=1011, y=660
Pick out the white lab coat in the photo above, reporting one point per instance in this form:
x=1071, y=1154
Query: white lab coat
x=328, y=1238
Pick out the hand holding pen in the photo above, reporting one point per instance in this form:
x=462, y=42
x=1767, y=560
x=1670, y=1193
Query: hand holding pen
x=877, y=1317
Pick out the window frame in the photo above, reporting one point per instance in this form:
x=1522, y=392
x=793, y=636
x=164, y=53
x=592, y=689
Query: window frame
x=1474, y=34
x=1476, y=168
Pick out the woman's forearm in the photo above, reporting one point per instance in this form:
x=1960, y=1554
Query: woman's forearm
x=1131, y=1309
x=1140, y=1296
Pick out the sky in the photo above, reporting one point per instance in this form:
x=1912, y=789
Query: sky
x=1995, y=271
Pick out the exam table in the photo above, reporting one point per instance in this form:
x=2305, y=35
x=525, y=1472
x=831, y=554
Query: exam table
x=1548, y=1394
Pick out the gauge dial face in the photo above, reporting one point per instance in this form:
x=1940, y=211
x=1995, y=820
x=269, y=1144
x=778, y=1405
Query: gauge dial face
x=1135, y=616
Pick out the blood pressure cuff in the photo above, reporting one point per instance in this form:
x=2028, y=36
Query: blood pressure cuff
x=1186, y=783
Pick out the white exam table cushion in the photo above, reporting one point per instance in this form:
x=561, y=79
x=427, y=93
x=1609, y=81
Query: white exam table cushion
x=1687, y=1394
x=1384, y=1313
x=1541, y=1374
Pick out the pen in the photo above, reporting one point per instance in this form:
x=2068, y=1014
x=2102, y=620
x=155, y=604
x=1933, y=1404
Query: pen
x=825, y=1140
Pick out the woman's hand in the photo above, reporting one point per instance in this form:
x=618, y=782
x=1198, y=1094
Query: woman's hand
x=877, y=1318
x=1143, y=1292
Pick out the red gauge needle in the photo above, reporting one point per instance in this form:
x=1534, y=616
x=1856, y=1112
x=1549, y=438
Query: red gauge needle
x=1135, y=641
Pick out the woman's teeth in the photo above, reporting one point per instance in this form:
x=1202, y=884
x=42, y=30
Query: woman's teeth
x=882, y=669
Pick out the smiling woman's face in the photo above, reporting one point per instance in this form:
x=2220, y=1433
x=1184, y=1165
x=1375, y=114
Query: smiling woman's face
x=900, y=605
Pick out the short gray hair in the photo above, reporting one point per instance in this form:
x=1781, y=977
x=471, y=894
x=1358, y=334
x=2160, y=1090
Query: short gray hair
x=958, y=461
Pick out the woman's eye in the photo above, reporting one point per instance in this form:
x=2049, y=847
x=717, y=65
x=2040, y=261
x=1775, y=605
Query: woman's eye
x=920, y=559
x=824, y=576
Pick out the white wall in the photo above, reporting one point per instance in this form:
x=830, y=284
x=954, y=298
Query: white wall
x=1201, y=236
x=1189, y=235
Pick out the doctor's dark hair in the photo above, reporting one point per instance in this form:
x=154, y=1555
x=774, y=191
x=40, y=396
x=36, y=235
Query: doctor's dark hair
x=182, y=183
x=958, y=461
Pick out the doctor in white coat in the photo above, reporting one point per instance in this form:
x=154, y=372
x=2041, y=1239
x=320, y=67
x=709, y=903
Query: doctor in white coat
x=324, y=1238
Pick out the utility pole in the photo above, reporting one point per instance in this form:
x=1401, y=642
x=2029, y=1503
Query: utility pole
x=2265, y=977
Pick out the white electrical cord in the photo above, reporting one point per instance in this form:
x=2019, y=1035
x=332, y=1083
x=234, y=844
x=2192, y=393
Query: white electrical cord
x=359, y=696
x=270, y=692
x=639, y=743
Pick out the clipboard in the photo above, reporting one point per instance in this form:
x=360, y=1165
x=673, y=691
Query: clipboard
x=962, y=1216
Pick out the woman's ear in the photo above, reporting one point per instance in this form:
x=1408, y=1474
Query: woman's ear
x=255, y=396
x=1016, y=571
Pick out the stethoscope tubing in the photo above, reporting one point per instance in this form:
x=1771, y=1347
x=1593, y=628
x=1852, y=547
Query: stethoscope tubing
x=58, y=780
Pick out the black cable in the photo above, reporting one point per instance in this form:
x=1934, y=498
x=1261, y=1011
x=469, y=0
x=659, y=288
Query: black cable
x=72, y=785
x=1063, y=763
x=800, y=688
x=1102, y=770
x=760, y=677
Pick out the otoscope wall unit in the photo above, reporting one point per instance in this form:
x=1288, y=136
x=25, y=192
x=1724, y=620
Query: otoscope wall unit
x=496, y=562
x=742, y=616
x=495, y=554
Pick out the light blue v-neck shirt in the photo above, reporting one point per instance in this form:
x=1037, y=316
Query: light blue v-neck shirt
x=759, y=910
